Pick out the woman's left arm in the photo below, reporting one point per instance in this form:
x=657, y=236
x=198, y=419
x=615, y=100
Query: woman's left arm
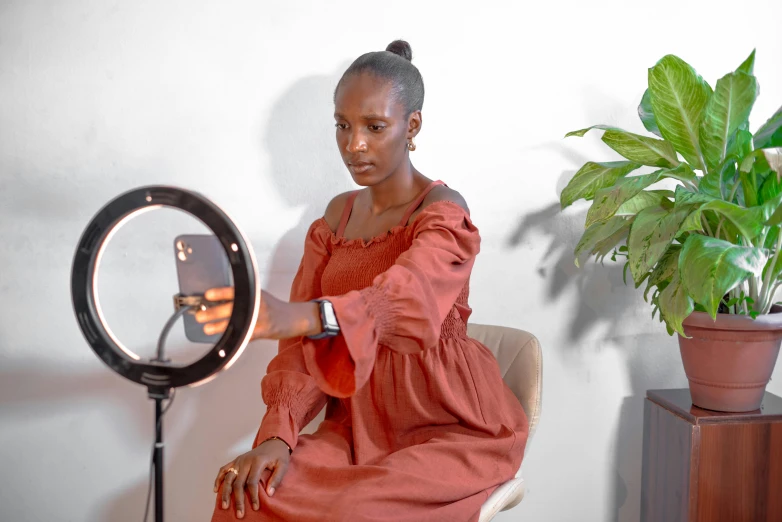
x=403, y=309
x=405, y=306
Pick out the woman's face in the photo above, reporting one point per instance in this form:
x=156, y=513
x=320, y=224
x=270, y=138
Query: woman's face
x=372, y=130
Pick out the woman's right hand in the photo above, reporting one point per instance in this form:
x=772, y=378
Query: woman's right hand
x=273, y=455
x=277, y=319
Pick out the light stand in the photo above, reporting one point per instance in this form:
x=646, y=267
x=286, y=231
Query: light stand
x=159, y=375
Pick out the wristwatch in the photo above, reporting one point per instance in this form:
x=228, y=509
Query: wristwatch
x=328, y=320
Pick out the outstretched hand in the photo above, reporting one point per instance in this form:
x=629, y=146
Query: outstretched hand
x=277, y=319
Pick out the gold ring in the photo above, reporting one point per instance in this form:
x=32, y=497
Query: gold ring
x=232, y=470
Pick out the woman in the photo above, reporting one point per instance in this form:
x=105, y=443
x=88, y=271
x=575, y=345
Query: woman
x=419, y=424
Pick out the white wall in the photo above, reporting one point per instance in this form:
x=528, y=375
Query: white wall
x=233, y=99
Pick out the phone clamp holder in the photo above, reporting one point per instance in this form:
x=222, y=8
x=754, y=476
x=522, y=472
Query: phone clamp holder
x=159, y=375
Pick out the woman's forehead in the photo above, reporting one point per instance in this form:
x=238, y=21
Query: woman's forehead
x=365, y=96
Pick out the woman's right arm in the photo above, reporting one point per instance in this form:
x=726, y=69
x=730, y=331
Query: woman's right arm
x=291, y=395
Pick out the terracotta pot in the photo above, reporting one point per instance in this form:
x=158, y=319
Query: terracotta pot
x=729, y=361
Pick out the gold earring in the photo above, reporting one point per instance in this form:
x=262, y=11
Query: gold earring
x=411, y=145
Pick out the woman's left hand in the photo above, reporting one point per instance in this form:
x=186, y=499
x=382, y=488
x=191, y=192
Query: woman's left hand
x=277, y=319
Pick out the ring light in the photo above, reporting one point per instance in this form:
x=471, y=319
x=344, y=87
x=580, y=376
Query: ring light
x=159, y=375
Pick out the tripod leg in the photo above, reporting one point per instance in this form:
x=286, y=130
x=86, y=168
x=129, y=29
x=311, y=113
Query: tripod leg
x=158, y=460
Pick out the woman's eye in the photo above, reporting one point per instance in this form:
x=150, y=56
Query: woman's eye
x=340, y=126
x=376, y=128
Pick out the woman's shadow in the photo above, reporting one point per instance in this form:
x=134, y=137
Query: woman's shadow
x=223, y=416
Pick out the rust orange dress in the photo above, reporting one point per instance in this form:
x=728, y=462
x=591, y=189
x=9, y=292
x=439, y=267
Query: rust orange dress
x=419, y=424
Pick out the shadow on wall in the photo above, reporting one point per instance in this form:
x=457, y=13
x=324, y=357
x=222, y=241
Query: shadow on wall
x=603, y=301
x=307, y=172
x=602, y=298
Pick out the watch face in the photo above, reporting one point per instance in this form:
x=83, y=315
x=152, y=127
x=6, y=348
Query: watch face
x=328, y=314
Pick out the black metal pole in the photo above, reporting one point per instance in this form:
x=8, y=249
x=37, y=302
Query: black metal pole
x=158, y=459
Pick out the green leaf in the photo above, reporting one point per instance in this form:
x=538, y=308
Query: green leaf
x=646, y=113
x=710, y=268
x=749, y=221
x=650, y=235
x=711, y=184
x=775, y=218
x=592, y=177
x=598, y=233
x=748, y=65
x=645, y=199
x=692, y=223
x=675, y=305
x=727, y=109
x=580, y=133
x=740, y=144
x=777, y=268
x=685, y=197
x=749, y=189
x=679, y=96
x=607, y=245
x=640, y=149
x=770, y=206
x=608, y=200
x=666, y=266
x=770, y=134
x=771, y=238
x=637, y=148
x=683, y=172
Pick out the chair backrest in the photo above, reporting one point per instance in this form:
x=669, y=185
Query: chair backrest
x=520, y=359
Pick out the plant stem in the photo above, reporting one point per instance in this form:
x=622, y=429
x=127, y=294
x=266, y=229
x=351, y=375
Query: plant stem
x=773, y=293
x=719, y=226
x=766, y=290
x=733, y=190
x=706, y=225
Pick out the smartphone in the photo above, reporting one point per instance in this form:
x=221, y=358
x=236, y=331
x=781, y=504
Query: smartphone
x=201, y=264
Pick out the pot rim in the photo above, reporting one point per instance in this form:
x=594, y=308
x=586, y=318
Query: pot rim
x=765, y=322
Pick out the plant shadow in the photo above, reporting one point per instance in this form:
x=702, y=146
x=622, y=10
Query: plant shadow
x=603, y=306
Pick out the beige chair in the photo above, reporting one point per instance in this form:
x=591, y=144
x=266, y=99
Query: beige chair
x=521, y=364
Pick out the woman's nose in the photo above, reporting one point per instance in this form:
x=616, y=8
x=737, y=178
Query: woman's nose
x=357, y=143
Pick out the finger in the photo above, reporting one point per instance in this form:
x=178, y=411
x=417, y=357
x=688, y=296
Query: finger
x=221, y=474
x=276, y=479
x=253, y=480
x=227, y=488
x=225, y=293
x=238, y=487
x=215, y=328
x=213, y=313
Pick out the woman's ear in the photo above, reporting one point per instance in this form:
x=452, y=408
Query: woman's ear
x=414, y=123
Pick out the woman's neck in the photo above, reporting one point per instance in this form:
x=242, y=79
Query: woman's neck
x=398, y=189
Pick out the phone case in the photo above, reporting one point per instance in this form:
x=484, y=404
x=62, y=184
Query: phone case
x=201, y=264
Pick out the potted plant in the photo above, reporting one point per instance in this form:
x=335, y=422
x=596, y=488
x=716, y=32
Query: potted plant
x=699, y=225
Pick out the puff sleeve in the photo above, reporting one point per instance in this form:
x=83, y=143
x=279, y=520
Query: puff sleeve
x=292, y=396
x=404, y=307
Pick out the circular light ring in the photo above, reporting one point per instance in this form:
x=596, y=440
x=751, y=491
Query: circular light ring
x=87, y=306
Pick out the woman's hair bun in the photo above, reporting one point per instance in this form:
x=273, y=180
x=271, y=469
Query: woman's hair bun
x=401, y=48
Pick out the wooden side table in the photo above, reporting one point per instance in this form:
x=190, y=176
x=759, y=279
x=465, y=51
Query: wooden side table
x=708, y=466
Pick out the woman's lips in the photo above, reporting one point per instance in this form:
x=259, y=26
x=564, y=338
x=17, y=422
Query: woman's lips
x=360, y=167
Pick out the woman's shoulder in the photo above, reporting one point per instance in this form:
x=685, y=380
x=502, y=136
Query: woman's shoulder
x=444, y=193
x=442, y=199
x=334, y=209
